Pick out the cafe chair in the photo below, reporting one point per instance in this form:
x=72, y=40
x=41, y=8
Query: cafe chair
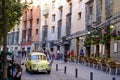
x=103, y=65
x=112, y=66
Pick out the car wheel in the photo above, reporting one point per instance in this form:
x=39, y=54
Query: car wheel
x=26, y=69
x=48, y=72
x=31, y=70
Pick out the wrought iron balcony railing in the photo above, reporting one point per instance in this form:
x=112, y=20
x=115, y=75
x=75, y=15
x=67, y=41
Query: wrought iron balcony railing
x=45, y=12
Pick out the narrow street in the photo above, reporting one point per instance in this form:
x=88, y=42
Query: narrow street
x=83, y=73
x=55, y=75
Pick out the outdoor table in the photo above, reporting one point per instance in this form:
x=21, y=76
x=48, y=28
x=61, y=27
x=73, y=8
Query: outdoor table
x=118, y=64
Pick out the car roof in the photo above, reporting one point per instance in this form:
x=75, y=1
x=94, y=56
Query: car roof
x=36, y=53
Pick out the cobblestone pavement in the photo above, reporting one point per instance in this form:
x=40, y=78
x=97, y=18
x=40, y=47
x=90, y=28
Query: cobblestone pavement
x=83, y=73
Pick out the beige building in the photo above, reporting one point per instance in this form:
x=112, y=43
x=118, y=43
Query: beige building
x=106, y=17
x=76, y=24
x=31, y=26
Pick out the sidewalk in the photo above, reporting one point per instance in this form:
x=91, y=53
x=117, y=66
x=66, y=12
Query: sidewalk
x=83, y=71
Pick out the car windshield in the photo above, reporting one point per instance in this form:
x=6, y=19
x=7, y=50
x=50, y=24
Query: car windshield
x=38, y=57
x=42, y=57
x=35, y=57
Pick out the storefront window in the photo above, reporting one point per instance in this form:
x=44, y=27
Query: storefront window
x=115, y=47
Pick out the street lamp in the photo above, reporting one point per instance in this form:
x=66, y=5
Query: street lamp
x=80, y=38
x=111, y=26
x=88, y=32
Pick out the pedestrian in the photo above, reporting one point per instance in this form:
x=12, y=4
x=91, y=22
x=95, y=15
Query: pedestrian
x=18, y=53
x=58, y=54
x=81, y=55
x=65, y=56
x=25, y=53
x=68, y=55
x=22, y=53
x=72, y=56
x=18, y=73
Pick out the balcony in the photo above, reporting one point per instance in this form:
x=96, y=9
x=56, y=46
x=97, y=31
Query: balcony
x=60, y=6
x=68, y=0
x=45, y=12
x=45, y=25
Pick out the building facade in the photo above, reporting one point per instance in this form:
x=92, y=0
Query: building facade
x=63, y=25
x=76, y=24
x=14, y=37
x=31, y=26
x=71, y=25
x=103, y=20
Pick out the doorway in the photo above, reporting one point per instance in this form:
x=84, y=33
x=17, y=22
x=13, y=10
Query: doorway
x=97, y=51
x=107, y=50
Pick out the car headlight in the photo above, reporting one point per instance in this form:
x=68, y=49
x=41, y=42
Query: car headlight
x=33, y=65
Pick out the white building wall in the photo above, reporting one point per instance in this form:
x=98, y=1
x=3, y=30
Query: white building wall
x=76, y=24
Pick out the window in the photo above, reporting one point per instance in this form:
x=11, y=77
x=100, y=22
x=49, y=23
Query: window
x=42, y=57
x=79, y=15
x=53, y=17
x=30, y=24
x=25, y=24
x=36, y=31
x=31, y=1
x=53, y=4
x=31, y=12
x=98, y=11
x=35, y=57
x=90, y=15
x=53, y=29
x=70, y=8
x=46, y=21
x=100, y=48
x=37, y=21
x=61, y=12
x=79, y=0
x=108, y=8
x=25, y=15
x=115, y=47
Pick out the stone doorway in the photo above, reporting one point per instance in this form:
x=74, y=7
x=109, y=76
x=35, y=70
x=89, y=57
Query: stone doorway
x=88, y=51
x=97, y=51
x=107, y=50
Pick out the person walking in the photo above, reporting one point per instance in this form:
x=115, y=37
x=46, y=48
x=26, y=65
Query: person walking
x=66, y=56
x=81, y=55
x=72, y=56
x=58, y=54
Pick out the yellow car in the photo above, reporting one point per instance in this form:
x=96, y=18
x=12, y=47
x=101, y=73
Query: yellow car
x=37, y=62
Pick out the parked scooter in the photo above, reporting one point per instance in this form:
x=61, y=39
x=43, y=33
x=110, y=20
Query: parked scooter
x=14, y=70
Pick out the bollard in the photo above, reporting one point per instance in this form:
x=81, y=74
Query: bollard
x=56, y=67
x=91, y=75
x=65, y=68
x=113, y=78
x=76, y=72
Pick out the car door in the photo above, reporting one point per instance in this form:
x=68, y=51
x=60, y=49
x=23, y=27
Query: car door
x=28, y=62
